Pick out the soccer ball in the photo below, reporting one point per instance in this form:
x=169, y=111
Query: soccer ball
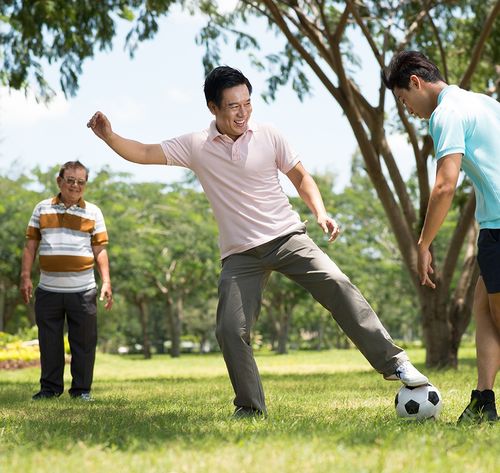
x=419, y=402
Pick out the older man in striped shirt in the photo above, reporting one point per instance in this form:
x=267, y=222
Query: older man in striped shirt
x=70, y=235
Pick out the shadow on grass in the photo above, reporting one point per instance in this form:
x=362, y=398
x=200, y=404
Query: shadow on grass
x=151, y=413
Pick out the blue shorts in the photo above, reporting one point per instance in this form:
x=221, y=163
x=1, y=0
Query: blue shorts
x=488, y=257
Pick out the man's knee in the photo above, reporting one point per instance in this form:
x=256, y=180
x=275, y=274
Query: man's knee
x=228, y=332
x=239, y=306
x=495, y=312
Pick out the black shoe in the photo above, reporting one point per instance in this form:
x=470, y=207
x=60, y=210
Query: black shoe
x=489, y=410
x=44, y=395
x=245, y=412
x=472, y=412
x=82, y=397
x=481, y=407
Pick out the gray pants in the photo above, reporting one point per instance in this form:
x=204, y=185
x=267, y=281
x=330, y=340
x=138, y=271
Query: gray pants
x=241, y=284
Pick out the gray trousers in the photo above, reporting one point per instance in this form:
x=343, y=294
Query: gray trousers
x=241, y=284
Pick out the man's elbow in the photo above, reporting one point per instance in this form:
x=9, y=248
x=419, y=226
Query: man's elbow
x=444, y=190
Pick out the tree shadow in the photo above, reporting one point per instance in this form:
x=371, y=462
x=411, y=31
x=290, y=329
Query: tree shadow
x=150, y=413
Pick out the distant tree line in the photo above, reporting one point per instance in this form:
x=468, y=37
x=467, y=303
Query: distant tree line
x=165, y=264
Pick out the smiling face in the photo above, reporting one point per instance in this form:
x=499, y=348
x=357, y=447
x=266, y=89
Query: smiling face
x=234, y=112
x=72, y=185
x=419, y=99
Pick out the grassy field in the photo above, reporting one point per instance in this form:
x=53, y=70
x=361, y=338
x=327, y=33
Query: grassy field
x=328, y=412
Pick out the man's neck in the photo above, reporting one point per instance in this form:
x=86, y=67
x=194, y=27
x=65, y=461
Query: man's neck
x=68, y=203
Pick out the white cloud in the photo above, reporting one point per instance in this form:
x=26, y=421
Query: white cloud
x=226, y=5
x=179, y=96
x=403, y=153
x=17, y=109
x=126, y=109
x=181, y=16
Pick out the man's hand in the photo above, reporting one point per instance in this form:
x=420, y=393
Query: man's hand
x=329, y=225
x=100, y=125
x=106, y=294
x=424, y=267
x=26, y=289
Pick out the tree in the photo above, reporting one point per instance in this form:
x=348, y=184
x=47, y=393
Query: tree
x=188, y=261
x=461, y=36
x=16, y=205
x=34, y=33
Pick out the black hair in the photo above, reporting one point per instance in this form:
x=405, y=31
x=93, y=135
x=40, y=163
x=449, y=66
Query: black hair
x=73, y=165
x=220, y=78
x=408, y=63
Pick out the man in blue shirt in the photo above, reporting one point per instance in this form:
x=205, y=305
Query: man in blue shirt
x=465, y=128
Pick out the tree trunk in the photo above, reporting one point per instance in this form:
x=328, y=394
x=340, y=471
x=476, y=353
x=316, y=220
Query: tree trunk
x=436, y=330
x=175, y=321
x=461, y=304
x=144, y=314
x=321, y=334
x=443, y=322
x=283, y=330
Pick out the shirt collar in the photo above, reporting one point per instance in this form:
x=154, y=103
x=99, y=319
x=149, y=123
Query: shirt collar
x=445, y=91
x=214, y=133
x=57, y=201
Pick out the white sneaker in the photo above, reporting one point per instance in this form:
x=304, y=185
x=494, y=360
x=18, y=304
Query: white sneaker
x=408, y=374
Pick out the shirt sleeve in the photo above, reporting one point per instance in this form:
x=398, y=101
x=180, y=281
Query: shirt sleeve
x=178, y=151
x=100, y=234
x=448, y=133
x=33, y=230
x=286, y=157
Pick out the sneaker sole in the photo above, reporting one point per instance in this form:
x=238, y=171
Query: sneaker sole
x=413, y=384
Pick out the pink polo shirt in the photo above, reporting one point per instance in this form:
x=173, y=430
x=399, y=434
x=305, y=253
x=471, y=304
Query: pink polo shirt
x=240, y=180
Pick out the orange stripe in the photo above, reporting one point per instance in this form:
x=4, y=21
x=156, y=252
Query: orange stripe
x=33, y=233
x=100, y=239
x=63, y=263
x=73, y=222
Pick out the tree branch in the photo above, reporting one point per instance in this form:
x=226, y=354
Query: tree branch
x=417, y=23
x=281, y=23
x=366, y=32
x=479, y=47
x=440, y=46
x=465, y=221
x=399, y=184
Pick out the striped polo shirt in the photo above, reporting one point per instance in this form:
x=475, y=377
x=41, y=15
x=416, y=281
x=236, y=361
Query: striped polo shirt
x=66, y=238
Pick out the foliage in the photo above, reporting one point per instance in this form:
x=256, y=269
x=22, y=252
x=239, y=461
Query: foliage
x=317, y=37
x=328, y=412
x=163, y=249
x=34, y=33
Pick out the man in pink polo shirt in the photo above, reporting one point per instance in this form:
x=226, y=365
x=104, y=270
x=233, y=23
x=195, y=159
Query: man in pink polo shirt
x=237, y=163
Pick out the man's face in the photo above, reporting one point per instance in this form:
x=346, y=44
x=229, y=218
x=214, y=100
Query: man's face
x=234, y=112
x=416, y=99
x=72, y=185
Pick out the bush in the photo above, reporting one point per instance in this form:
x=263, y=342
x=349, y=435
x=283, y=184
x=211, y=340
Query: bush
x=16, y=352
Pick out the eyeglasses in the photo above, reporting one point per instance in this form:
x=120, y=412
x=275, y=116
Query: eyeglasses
x=71, y=180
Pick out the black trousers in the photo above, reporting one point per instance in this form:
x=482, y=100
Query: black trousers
x=80, y=309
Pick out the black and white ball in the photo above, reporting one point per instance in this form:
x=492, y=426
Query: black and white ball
x=419, y=402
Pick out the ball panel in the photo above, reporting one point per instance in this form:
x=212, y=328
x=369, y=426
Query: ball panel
x=412, y=407
x=418, y=402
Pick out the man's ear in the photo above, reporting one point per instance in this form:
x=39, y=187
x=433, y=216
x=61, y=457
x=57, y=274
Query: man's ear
x=212, y=107
x=415, y=81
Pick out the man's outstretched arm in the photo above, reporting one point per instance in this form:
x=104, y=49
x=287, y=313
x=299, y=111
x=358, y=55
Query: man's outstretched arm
x=130, y=150
x=447, y=172
x=309, y=193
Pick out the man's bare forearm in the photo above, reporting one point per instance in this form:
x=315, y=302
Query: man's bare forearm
x=136, y=151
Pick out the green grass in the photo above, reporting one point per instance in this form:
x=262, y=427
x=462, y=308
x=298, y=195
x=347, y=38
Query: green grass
x=328, y=412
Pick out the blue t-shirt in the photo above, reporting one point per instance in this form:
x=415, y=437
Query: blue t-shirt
x=469, y=123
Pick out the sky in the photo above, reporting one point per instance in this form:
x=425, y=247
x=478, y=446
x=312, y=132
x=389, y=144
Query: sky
x=159, y=94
